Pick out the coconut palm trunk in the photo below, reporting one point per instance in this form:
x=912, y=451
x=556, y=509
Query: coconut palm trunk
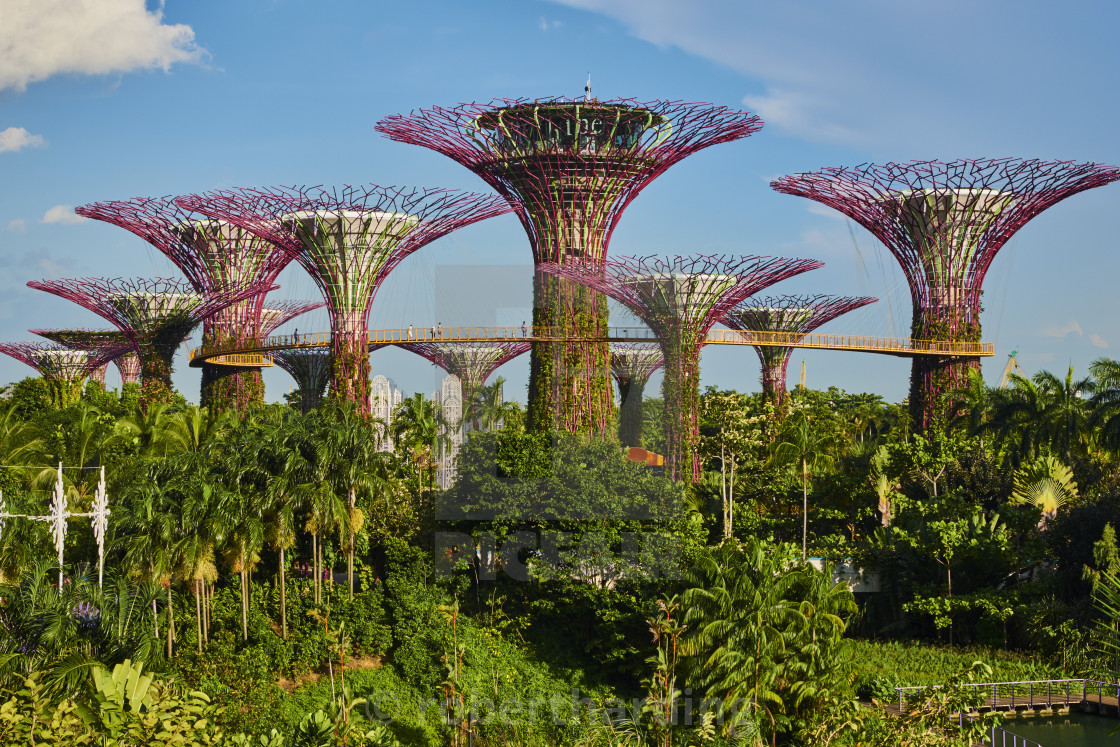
x=283, y=598
x=198, y=613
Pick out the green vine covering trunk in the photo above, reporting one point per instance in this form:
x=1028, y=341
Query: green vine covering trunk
x=630, y=395
x=932, y=378
x=350, y=370
x=230, y=388
x=155, y=370
x=569, y=382
x=680, y=389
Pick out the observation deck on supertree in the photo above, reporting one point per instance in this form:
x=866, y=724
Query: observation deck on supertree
x=632, y=363
x=63, y=368
x=349, y=240
x=216, y=257
x=569, y=169
x=792, y=315
x=680, y=299
x=93, y=340
x=473, y=363
x=155, y=314
x=311, y=368
x=944, y=223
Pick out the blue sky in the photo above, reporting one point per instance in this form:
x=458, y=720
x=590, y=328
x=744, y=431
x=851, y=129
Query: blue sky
x=113, y=99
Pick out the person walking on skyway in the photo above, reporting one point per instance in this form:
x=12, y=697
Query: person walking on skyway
x=524, y=330
x=410, y=334
x=439, y=328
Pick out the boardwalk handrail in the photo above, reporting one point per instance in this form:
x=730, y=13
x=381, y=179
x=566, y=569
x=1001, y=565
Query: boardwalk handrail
x=998, y=735
x=1030, y=693
x=380, y=337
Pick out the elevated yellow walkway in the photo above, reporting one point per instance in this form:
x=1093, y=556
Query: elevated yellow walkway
x=903, y=347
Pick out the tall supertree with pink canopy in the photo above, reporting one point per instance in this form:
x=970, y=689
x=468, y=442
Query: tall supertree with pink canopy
x=155, y=314
x=472, y=362
x=348, y=240
x=569, y=168
x=311, y=368
x=216, y=257
x=63, y=368
x=681, y=299
x=632, y=363
x=944, y=222
x=786, y=318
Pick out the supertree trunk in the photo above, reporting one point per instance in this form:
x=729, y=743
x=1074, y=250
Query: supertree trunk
x=350, y=359
x=932, y=378
x=569, y=381
x=630, y=394
x=774, y=378
x=155, y=372
x=680, y=389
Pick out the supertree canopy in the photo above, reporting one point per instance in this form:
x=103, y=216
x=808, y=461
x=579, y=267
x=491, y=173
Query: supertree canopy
x=569, y=169
x=311, y=368
x=348, y=240
x=155, y=314
x=276, y=314
x=94, y=341
x=632, y=363
x=63, y=368
x=792, y=316
x=680, y=299
x=216, y=257
x=944, y=223
x=128, y=366
x=471, y=362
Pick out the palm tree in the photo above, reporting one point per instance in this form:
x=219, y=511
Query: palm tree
x=419, y=425
x=1016, y=417
x=800, y=443
x=489, y=408
x=1105, y=403
x=1066, y=413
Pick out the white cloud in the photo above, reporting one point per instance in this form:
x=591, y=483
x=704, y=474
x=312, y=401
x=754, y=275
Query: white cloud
x=17, y=138
x=16, y=226
x=63, y=214
x=1053, y=330
x=547, y=25
x=1098, y=341
x=41, y=38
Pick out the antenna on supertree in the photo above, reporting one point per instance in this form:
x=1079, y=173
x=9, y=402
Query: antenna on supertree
x=348, y=239
x=155, y=314
x=92, y=340
x=680, y=299
x=64, y=369
x=569, y=168
x=215, y=257
x=311, y=368
x=472, y=362
x=791, y=317
x=944, y=223
x=632, y=363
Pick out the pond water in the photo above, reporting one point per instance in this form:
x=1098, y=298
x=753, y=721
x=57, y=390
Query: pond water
x=1075, y=730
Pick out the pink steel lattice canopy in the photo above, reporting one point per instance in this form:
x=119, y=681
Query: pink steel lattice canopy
x=155, y=314
x=680, y=299
x=63, y=368
x=216, y=257
x=94, y=341
x=349, y=240
x=473, y=363
x=944, y=223
x=569, y=169
x=794, y=315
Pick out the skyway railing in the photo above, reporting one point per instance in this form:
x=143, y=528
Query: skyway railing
x=861, y=343
x=1034, y=693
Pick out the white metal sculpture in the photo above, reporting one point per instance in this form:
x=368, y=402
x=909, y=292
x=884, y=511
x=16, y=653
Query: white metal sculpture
x=60, y=513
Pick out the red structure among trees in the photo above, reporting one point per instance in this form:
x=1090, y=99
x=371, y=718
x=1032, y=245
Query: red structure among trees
x=64, y=369
x=791, y=315
x=216, y=257
x=569, y=169
x=155, y=314
x=944, y=223
x=94, y=342
x=680, y=299
x=348, y=240
x=632, y=363
x=473, y=363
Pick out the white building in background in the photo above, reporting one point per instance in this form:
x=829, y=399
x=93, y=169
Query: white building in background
x=450, y=399
x=384, y=396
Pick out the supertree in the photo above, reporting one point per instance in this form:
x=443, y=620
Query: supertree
x=63, y=368
x=311, y=368
x=155, y=314
x=471, y=362
x=93, y=341
x=216, y=257
x=569, y=169
x=276, y=314
x=789, y=317
x=348, y=240
x=944, y=223
x=632, y=363
x=128, y=366
x=680, y=299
